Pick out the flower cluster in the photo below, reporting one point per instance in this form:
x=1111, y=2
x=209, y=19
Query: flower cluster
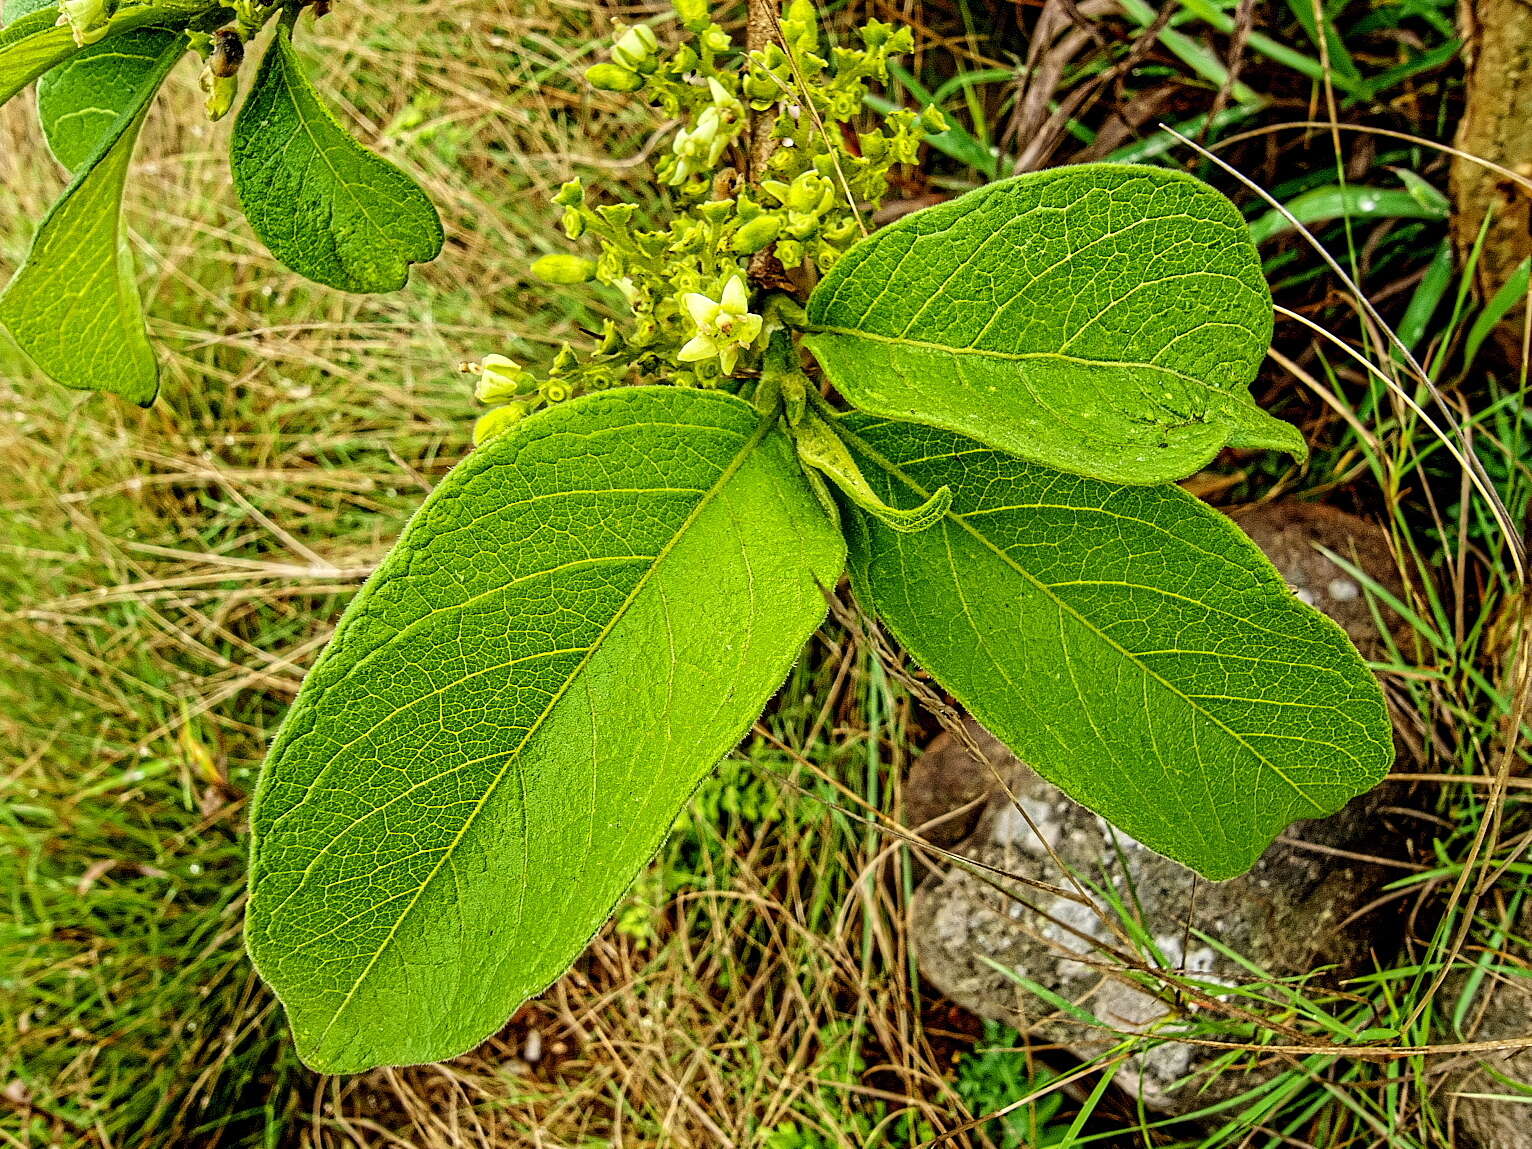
x=685, y=283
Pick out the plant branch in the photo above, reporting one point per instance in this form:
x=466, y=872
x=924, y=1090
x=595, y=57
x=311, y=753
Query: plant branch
x=761, y=25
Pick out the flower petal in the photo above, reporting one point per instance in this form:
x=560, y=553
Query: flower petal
x=698, y=348
x=703, y=311
x=736, y=296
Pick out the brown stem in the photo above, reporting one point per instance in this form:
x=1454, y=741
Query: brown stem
x=1497, y=43
x=760, y=31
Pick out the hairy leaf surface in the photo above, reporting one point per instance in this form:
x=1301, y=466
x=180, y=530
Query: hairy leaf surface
x=1105, y=320
x=580, y=622
x=73, y=305
x=326, y=206
x=13, y=10
x=1129, y=643
x=81, y=102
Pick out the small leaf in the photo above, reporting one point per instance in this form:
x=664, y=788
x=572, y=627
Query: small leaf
x=81, y=101
x=821, y=447
x=325, y=206
x=581, y=621
x=1103, y=319
x=73, y=305
x=33, y=41
x=1129, y=643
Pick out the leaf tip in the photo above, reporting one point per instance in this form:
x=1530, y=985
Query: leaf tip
x=1270, y=434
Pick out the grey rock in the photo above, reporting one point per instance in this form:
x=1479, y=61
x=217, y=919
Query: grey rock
x=1301, y=910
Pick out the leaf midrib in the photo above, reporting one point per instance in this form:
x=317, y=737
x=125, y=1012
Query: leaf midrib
x=1063, y=605
x=1004, y=356
x=763, y=428
x=299, y=95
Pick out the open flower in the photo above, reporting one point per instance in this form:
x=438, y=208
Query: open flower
x=724, y=326
x=719, y=125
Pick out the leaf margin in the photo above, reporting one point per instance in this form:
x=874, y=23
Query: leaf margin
x=1381, y=747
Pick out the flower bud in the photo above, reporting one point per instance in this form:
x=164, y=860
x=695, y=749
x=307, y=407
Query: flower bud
x=757, y=235
x=843, y=232
x=810, y=193
x=564, y=269
x=875, y=33
x=498, y=421
x=618, y=215
x=760, y=87
x=635, y=48
x=613, y=78
x=693, y=14
x=220, y=92
x=716, y=40
x=87, y=19
x=800, y=26
x=555, y=390
x=574, y=224
x=500, y=378
x=611, y=337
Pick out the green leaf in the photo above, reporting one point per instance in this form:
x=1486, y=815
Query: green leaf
x=1129, y=643
x=30, y=44
x=33, y=41
x=325, y=206
x=581, y=621
x=1104, y=319
x=81, y=102
x=14, y=10
x=73, y=305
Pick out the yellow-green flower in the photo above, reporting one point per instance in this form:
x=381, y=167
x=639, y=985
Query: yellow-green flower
x=87, y=19
x=699, y=148
x=500, y=378
x=724, y=326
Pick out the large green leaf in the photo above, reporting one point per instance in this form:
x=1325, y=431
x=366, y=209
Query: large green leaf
x=582, y=619
x=81, y=101
x=1105, y=319
x=323, y=204
x=33, y=41
x=73, y=305
x=1130, y=643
